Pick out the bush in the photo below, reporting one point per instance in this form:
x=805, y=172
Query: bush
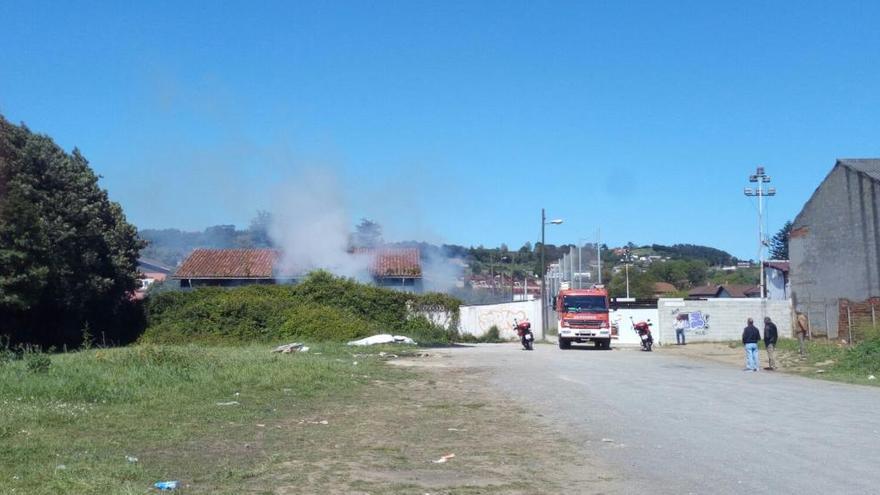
x=37, y=362
x=321, y=308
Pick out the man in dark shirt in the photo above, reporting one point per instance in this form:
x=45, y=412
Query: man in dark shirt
x=751, y=337
x=770, y=337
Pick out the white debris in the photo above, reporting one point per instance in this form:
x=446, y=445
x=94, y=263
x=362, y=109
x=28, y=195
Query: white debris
x=384, y=338
x=289, y=348
x=230, y=403
x=443, y=459
x=872, y=377
x=132, y=459
x=607, y=440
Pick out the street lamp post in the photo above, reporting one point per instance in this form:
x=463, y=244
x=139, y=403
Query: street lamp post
x=760, y=178
x=544, y=222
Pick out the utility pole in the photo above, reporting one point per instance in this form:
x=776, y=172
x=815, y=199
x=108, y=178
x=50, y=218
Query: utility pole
x=599, y=253
x=761, y=178
x=543, y=278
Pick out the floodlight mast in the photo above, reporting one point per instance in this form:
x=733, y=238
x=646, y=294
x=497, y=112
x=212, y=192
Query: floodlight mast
x=761, y=178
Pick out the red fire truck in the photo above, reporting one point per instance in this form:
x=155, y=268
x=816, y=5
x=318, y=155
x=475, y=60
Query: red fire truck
x=583, y=317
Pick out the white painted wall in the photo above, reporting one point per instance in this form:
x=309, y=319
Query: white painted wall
x=718, y=320
x=625, y=333
x=477, y=320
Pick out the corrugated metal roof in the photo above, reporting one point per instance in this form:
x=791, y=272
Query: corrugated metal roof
x=229, y=263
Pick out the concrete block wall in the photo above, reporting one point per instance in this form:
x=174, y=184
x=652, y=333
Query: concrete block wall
x=477, y=320
x=719, y=320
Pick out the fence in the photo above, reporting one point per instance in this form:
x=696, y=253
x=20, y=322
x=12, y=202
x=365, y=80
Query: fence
x=840, y=318
x=857, y=320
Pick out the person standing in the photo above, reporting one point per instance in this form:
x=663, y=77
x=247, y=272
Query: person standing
x=751, y=337
x=771, y=335
x=681, y=322
x=801, y=326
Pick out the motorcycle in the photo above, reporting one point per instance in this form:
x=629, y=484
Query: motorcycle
x=643, y=328
x=524, y=332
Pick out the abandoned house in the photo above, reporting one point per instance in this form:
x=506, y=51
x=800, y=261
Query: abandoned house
x=835, y=244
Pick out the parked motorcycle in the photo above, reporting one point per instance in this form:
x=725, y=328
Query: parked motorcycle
x=643, y=328
x=524, y=332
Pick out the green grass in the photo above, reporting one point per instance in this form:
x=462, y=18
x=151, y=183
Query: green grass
x=67, y=424
x=839, y=362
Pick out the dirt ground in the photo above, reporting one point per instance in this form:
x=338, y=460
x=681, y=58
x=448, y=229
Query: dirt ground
x=734, y=355
x=395, y=439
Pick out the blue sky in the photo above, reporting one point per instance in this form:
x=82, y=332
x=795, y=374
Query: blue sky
x=455, y=121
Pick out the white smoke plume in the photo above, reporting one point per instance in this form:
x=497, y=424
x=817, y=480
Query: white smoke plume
x=310, y=225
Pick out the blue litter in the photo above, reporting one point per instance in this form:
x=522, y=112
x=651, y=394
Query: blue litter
x=167, y=485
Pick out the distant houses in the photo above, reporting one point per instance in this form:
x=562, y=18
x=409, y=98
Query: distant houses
x=150, y=272
x=388, y=267
x=835, y=245
x=722, y=291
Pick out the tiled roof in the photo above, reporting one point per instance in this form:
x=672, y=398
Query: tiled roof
x=732, y=289
x=743, y=290
x=704, y=291
x=228, y=263
x=663, y=287
x=261, y=263
x=397, y=263
x=782, y=266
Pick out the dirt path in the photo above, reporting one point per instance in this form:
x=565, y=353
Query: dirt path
x=733, y=355
x=391, y=443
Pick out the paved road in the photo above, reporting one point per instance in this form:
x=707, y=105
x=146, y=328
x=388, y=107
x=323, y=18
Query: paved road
x=681, y=425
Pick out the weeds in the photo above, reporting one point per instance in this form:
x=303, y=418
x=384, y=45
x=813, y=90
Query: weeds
x=91, y=409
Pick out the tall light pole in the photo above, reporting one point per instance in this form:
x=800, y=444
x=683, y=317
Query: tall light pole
x=626, y=260
x=760, y=178
x=544, y=222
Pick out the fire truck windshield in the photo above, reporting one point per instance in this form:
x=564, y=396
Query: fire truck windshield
x=584, y=304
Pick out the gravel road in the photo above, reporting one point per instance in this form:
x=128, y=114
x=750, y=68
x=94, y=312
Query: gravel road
x=672, y=424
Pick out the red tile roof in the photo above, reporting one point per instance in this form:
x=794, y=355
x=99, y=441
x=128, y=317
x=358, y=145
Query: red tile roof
x=229, y=263
x=397, y=263
x=261, y=263
x=663, y=288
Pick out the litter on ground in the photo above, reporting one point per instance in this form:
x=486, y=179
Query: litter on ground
x=443, y=459
x=290, y=348
x=230, y=403
x=132, y=459
x=384, y=338
x=167, y=485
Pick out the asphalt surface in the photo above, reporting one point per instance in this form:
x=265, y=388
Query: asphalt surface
x=677, y=425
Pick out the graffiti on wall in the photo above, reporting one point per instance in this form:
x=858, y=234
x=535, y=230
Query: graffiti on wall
x=502, y=318
x=698, y=322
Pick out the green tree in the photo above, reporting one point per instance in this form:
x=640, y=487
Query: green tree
x=68, y=258
x=368, y=234
x=779, y=243
x=641, y=284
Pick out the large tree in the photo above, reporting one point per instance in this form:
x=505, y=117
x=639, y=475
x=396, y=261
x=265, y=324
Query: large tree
x=68, y=257
x=779, y=243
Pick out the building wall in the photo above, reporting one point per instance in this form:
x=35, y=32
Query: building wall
x=720, y=320
x=835, y=247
